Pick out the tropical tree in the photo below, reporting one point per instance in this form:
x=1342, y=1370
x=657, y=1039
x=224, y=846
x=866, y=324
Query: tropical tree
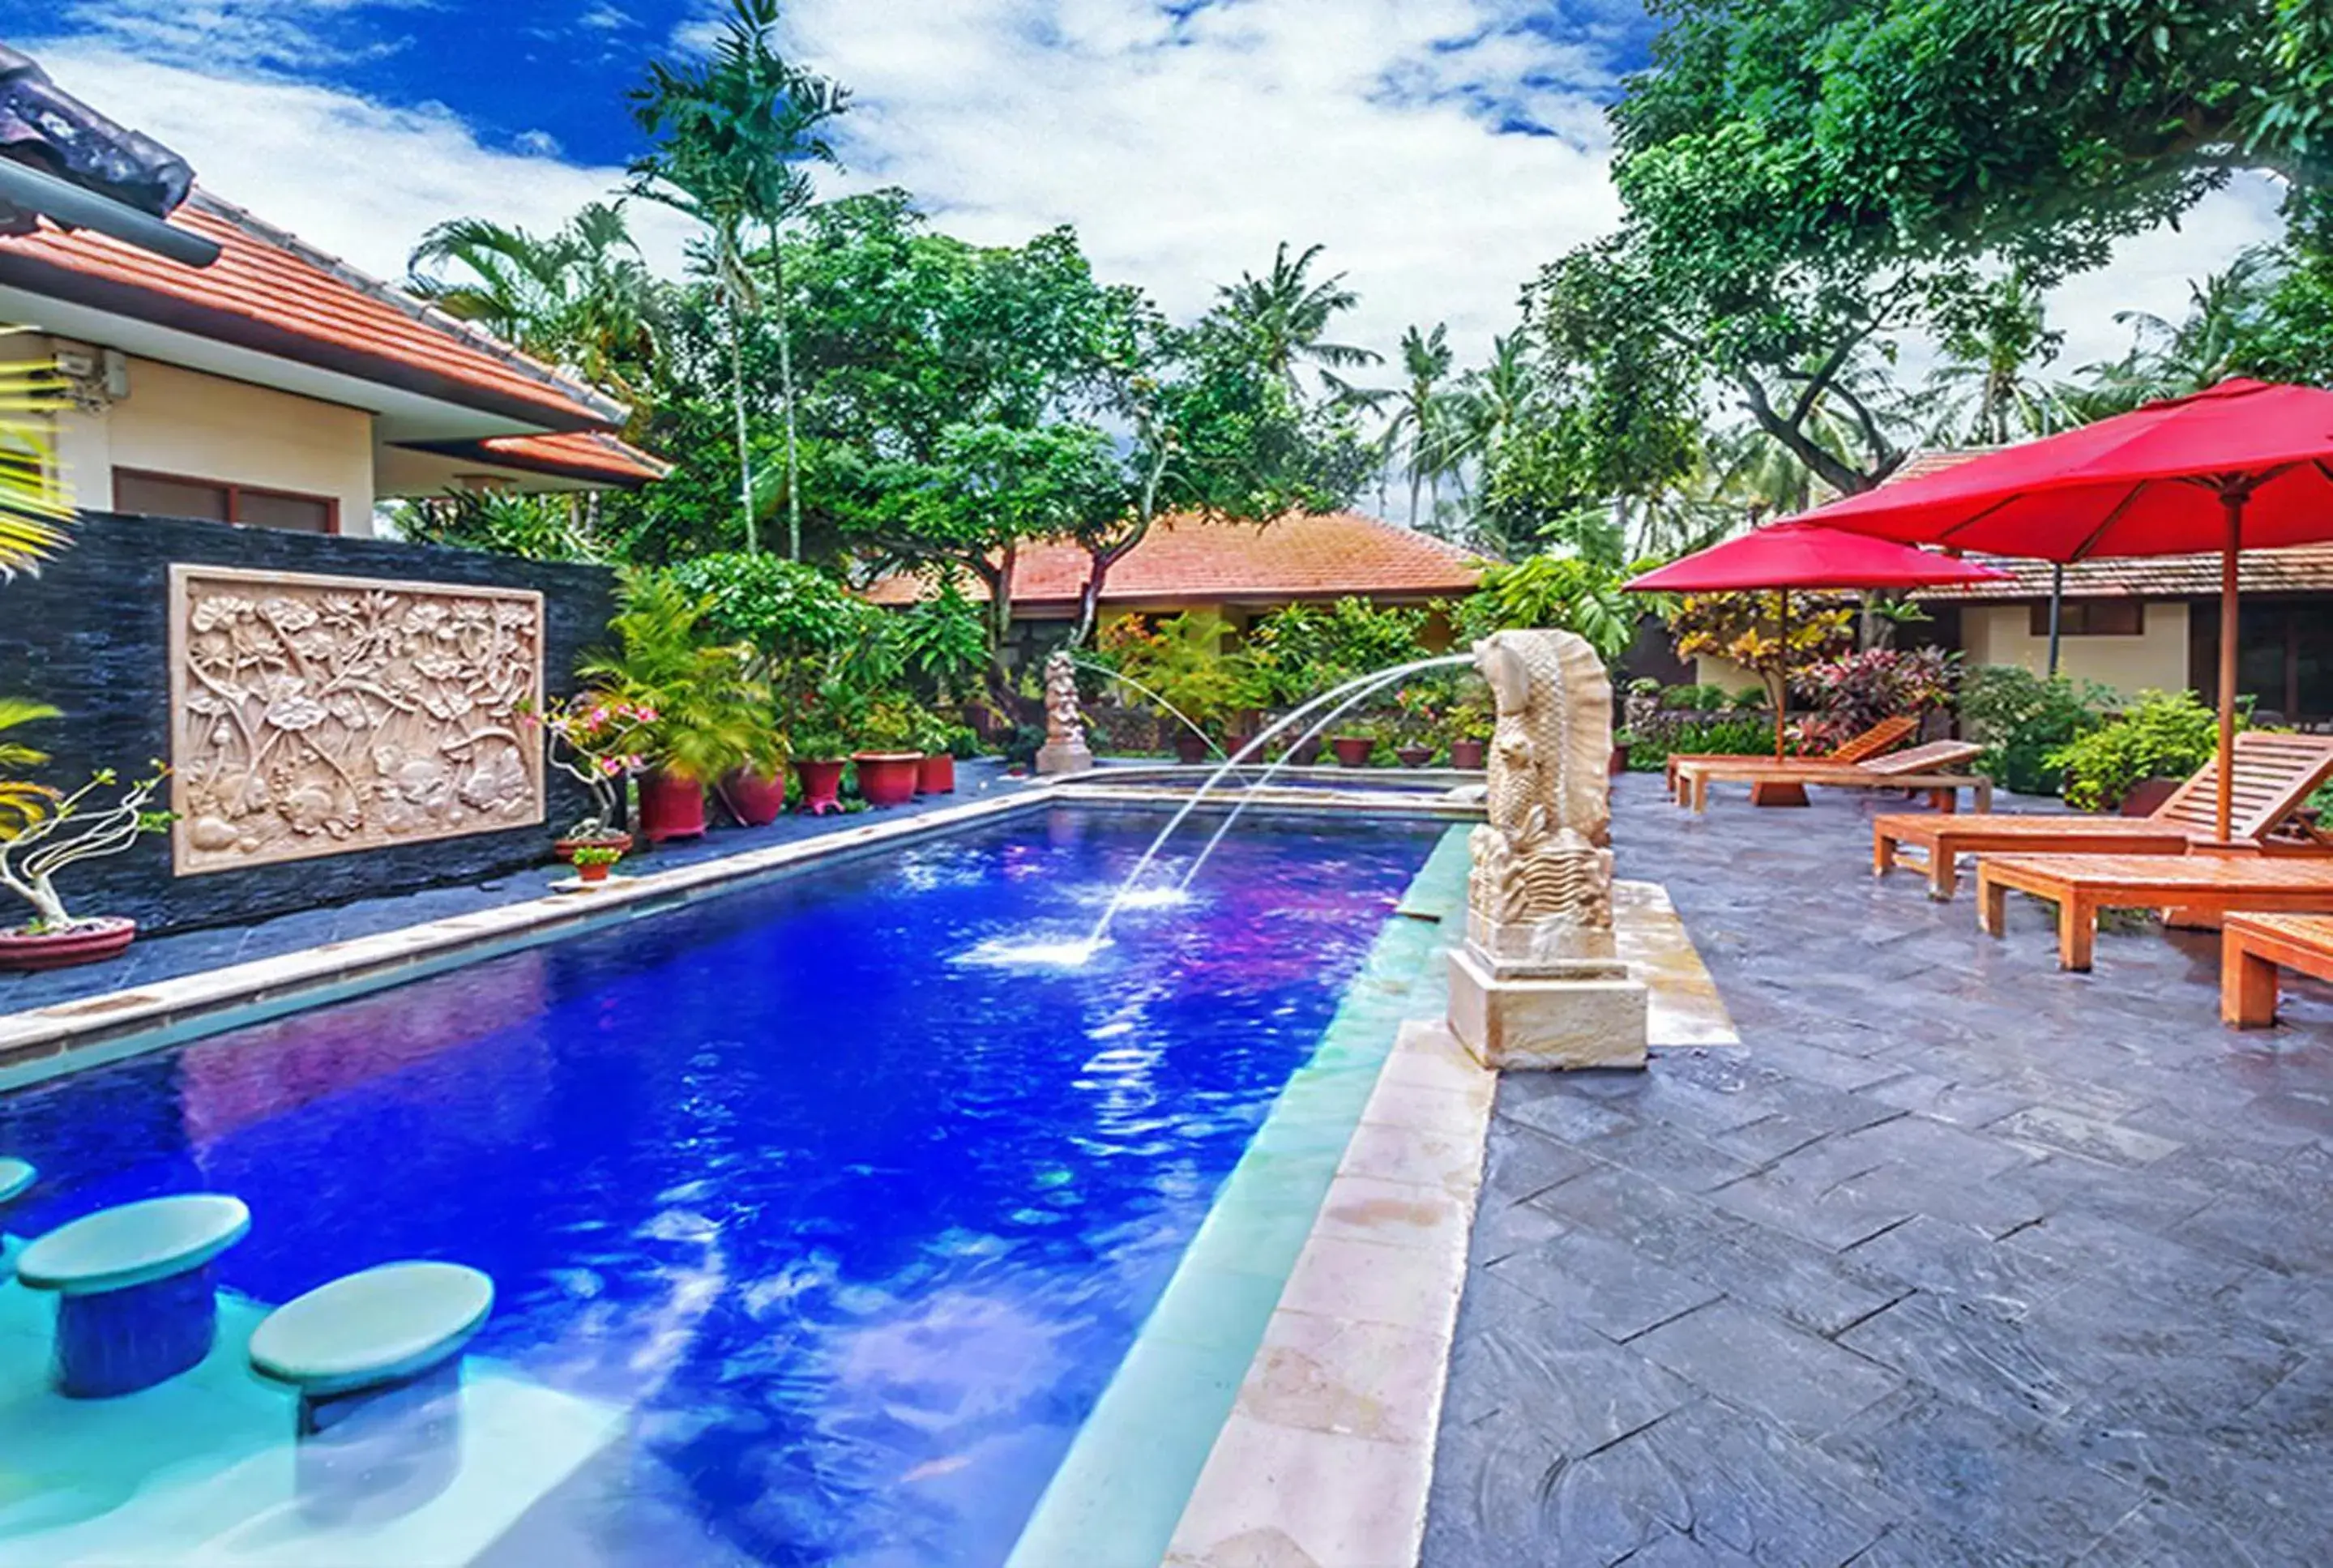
x=1286, y=315
x=1984, y=389
x=22, y=802
x=735, y=137
x=34, y=507
x=581, y=297
x=1423, y=425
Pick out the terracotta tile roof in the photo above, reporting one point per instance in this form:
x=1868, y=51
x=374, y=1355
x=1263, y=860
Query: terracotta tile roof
x=271, y=292
x=1198, y=560
x=590, y=454
x=2303, y=569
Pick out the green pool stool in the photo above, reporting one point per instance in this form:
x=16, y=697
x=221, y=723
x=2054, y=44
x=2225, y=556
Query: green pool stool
x=400, y=1327
x=15, y=1176
x=135, y=1301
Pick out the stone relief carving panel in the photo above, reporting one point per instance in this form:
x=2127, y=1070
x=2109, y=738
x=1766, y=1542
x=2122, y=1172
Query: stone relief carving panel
x=319, y=716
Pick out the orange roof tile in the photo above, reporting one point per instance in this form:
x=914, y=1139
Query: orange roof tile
x=270, y=292
x=2302, y=569
x=1198, y=560
x=591, y=454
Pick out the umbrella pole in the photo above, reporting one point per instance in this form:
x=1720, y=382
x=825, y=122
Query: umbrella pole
x=1783, y=697
x=2233, y=500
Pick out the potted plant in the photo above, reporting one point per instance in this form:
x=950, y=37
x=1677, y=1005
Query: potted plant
x=710, y=715
x=888, y=765
x=1181, y=666
x=41, y=833
x=1468, y=724
x=593, y=863
x=1412, y=724
x=941, y=743
x=1353, y=748
x=595, y=741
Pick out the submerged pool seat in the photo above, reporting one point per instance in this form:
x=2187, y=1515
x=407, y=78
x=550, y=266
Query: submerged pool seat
x=394, y=1330
x=16, y=1176
x=135, y=1301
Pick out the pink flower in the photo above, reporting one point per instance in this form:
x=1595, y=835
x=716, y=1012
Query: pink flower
x=610, y=766
x=645, y=715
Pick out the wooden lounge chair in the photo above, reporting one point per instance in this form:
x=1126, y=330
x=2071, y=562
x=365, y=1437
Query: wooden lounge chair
x=1881, y=736
x=2196, y=889
x=1927, y=768
x=2275, y=776
x=2254, y=947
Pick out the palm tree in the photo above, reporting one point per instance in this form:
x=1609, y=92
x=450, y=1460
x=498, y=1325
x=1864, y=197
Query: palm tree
x=2169, y=360
x=1422, y=426
x=21, y=803
x=1284, y=316
x=734, y=139
x=34, y=507
x=1981, y=392
x=581, y=298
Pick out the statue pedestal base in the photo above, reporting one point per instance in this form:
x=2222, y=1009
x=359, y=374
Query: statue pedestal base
x=1549, y=1015
x=1054, y=757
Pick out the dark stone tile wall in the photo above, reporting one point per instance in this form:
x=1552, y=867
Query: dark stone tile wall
x=90, y=636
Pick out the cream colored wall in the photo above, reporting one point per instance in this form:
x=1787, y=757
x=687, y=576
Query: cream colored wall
x=2156, y=659
x=1712, y=669
x=201, y=427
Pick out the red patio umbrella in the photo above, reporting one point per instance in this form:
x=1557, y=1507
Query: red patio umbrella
x=1793, y=555
x=2244, y=464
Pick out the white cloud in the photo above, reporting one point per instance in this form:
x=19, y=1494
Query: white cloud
x=2151, y=271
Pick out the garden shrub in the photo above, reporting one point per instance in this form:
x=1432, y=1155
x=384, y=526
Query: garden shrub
x=1852, y=693
x=2022, y=720
x=1651, y=747
x=2168, y=734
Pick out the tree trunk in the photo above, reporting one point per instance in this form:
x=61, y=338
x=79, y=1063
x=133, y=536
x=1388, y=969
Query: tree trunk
x=786, y=392
x=737, y=404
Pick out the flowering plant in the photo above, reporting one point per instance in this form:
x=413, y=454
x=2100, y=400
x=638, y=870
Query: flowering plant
x=1853, y=692
x=599, y=742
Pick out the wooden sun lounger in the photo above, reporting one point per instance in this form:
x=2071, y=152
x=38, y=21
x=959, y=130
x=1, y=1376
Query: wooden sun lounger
x=1925, y=768
x=2195, y=888
x=2254, y=947
x=2275, y=776
x=1880, y=737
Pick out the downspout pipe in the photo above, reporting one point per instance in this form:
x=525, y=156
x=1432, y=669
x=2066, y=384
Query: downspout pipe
x=63, y=202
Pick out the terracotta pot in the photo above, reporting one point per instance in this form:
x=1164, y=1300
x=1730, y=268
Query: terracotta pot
x=1352, y=750
x=1414, y=756
x=2147, y=795
x=755, y=799
x=887, y=778
x=1619, y=763
x=563, y=852
x=936, y=776
x=1306, y=755
x=594, y=870
x=1191, y=747
x=671, y=807
x=86, y=943
x=822, y=784
x=1466, y=754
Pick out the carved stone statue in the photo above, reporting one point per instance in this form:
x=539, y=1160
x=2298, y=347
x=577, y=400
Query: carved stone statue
x=1065, y=749
x=1539, y=981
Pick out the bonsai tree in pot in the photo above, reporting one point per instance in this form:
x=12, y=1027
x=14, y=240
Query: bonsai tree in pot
x=596, y=740
x=711, y=716
x=43, y=832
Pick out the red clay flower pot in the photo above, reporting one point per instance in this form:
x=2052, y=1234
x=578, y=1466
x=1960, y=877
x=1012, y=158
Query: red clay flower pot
x=753, y=799
x=887, y=778
x=1466, y=754
x=2146, y=795
x=671, y=807
x=594, y=870
x=87, y=942
x=1191, y=747
x=1414, y=756
x=822, y=784
x=1352, y=750
x=936, y=775
x=1305, y=754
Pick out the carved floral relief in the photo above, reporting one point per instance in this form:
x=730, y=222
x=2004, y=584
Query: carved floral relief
x=317, y=716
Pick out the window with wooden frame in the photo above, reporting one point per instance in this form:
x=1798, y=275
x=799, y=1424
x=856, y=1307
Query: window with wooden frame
x=2093, y=617
x=138, y=492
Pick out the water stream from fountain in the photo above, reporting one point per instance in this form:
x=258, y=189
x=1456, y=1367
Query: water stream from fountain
x=1188, y=722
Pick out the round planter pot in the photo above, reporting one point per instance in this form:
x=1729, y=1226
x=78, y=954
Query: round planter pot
x=936, y=775
x=596, y=872
x=1414, y=756
x=1619, y=763
x=1306, y=755
x=752, y=799
x=887, y=778
x=1190, y=749
x=1466, y=754
x=1352, y=750
x=671, y=808
x=89, y=942
x=821, y=785
x=563, y=852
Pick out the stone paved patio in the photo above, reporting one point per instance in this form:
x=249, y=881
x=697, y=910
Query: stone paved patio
x=1960, y=1260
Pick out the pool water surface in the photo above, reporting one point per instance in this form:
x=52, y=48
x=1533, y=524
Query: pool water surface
x=855, y=1225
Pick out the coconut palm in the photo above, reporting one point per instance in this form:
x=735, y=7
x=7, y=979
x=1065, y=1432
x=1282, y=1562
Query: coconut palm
x=736, y=138
x=21, y=803
x=581, y=297
x=34, y=507
x=1985, y=391
x=2170, y=360
x=1284, y=316
x=1423, y=425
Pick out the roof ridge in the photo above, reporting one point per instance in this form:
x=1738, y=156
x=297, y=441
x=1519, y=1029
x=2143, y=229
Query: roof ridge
x=420, y=311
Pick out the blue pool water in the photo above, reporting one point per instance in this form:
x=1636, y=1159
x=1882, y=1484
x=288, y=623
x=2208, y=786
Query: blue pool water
x=856, y=1228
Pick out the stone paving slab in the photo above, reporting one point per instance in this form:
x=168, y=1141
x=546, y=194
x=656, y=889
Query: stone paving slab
x=1959, y=1260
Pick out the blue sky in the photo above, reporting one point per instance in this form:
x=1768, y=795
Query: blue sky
x=1443, y=149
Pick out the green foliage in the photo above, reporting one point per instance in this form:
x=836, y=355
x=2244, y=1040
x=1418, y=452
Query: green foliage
x=34, y=506
x=596, y=855
x=782, y=608
x=1751, y=630
x=1182, y=658
x=1302, y=650
x=2023, y=719
x=1564, y=593
x=943, y=640
x=1649, y=749
x=529, y=527
x=2168, y=734
x=707, y=715
x=1857, y=690
x=21, y=802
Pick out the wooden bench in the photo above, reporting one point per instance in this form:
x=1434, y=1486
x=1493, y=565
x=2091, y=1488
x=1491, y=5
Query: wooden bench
x=2200, y=888
x=2254, y=947
x=1870, y=742
x=1922, y=769
x=2275, y=776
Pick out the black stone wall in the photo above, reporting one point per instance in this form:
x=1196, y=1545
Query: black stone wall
x=89, y=635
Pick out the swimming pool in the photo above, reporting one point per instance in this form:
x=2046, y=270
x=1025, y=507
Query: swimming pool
x=853, y=1224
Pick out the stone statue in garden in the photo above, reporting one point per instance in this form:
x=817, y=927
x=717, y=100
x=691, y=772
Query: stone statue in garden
x=1542, y=863
x=1540, y=982
x=1065, y=749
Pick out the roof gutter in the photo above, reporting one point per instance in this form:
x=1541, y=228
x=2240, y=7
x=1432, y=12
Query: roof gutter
x=63, y=202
